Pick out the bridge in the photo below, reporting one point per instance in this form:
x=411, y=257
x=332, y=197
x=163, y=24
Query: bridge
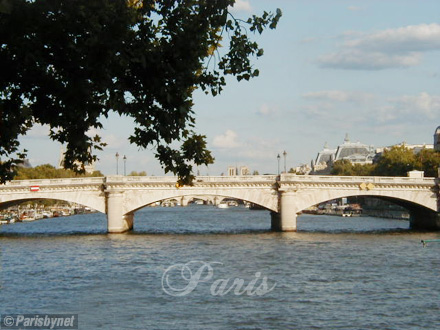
x=286, y=195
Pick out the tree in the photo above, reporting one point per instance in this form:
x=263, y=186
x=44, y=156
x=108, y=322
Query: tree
x=428, y=160
x=396, y=161
x=134, y=173
x=345, y=167
x=67, y=64
x=342, y=167
x=47, y=171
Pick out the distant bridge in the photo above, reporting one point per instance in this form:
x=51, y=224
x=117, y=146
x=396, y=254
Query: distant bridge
x=119, y=197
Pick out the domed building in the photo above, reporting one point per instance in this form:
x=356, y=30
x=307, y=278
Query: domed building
x=324, y=160
x=437, y=139
x=355, y=152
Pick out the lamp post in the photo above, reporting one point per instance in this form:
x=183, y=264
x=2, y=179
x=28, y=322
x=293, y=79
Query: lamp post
x=278, y=159
x=125, y=161
x=117, y=163
x=285, y=154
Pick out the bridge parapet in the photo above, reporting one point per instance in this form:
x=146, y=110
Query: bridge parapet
x=53, y=182
x=198, y=179
x=357, y=179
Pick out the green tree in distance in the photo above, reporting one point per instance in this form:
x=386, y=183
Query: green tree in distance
x=134, y=173
x=345, y=167
x=47, y=171
x=428, y=160
x=396, y=161
x=68, y=64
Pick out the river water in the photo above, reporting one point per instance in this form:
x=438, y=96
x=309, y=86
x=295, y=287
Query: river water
x=175, y=269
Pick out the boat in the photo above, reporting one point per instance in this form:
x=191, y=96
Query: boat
x=28, y=219
x=426, y=241
x=223, y=206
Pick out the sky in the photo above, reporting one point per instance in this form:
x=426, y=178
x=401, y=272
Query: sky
x=368, y=69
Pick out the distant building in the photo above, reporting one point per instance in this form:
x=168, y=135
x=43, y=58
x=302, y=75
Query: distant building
x=232, y=171
x=243, y=170
x=303, y=169
x=359, y=153
x=437, y=139
x=355, y=152
x=324, y=160
x=416, y=148
x=25, y=163
x=89, y=168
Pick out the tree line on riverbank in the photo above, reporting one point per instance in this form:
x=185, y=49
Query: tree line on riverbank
x=396, y=161
x=47, y=171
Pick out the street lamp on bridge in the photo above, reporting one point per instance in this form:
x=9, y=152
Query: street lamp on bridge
x=278, y=159
x=117, y=163
x=285, y=154
x=125, y=161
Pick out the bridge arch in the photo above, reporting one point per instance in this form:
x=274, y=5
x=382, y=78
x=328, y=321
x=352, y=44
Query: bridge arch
x=409, y=200
x=138, y=201
x=85, y=200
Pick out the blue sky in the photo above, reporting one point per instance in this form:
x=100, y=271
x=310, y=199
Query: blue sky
x=366, y=68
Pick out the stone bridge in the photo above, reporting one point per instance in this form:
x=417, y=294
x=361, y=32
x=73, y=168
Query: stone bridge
x=285, y=196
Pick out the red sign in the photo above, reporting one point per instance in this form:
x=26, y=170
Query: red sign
x=35, y=188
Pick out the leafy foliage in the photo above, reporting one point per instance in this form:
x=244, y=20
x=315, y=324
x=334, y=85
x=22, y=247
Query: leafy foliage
x=345, y=167
x=134, y=173
x=428, y=160
x=396, y=161
x=47, y=171
x=67, y=64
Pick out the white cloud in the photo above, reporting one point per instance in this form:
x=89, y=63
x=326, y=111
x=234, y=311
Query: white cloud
x=266, y=110
x=309, y=40
x=257, y=148
x=410, y=38
x=37, y=132
x=386, y=113
x=339, y=96
x=355, y=8
x=241, y=5
x=228, y=140
x=354, y=59
x=391, y=48
x=422, y=104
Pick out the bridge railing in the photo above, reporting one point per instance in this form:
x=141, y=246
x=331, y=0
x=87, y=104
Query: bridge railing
x=220, y=179
x=354, y=179
x=198, y=179
x=61, y=181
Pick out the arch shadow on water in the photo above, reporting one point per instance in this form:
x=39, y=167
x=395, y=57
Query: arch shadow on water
x=200, y=220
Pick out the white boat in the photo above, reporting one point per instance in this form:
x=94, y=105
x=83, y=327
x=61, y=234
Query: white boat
x=223, y=206
x=28, y=219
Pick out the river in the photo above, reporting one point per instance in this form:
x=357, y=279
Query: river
x=177, y=269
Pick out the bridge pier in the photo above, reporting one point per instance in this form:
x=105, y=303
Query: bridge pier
x=117, y=222
x=286, y=219
x=184, y=201
x=425, y=219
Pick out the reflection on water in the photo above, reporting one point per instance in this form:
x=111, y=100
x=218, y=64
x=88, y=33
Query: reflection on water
x=334, y=273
